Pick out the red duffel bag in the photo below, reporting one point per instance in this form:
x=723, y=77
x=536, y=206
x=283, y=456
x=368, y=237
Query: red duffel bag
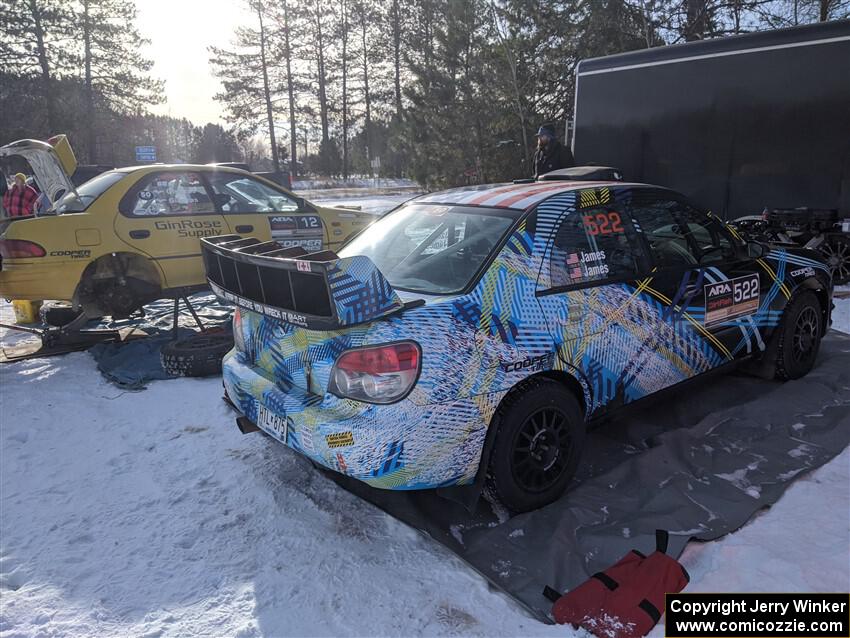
x=627, y=599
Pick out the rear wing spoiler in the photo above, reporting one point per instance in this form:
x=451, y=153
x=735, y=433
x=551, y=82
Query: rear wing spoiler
x=317, y=291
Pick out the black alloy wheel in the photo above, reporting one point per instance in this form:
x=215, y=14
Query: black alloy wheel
x=798, y=338
x=836, y=249
x=540, y=431
x=806, y=335
x=541, y=449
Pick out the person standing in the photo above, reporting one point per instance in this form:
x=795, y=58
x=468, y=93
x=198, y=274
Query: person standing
x=551, y=154
x=19, y=200
x=4, y=187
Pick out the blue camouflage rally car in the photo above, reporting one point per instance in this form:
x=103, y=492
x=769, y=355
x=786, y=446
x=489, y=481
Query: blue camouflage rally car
x=470, y=335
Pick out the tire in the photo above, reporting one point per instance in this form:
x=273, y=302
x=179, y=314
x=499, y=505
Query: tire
x=798, y=340
x=836, y=249
x=197, y=356
x=58, y=313
x=526, y=471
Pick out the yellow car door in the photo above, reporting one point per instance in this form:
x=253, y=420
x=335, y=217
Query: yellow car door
x=255, y=208
x=163, y=216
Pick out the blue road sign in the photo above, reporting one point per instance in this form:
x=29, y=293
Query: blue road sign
x=146, y=153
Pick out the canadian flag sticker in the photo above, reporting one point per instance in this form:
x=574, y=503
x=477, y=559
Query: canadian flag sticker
x=303, y=266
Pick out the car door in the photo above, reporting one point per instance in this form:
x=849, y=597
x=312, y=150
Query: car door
x=164, y=215
x=586, y=292
x=254, y=208
x=708, y=286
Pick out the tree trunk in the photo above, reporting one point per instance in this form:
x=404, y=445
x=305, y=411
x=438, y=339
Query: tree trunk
x=396, y=13
x=266, y=91
x=697, y=20
x=344, y=90
x=89, y=94
x=290, y=90
x=510, y=56
x=320, y=63
x=367, y=125
x=46, y=80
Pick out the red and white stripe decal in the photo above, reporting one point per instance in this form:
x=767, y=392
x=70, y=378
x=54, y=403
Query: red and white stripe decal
x=517, y=196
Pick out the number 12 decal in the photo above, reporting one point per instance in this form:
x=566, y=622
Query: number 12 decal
x=603, y=223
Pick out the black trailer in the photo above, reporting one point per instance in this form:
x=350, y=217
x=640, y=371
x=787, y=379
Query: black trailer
x=744, y=124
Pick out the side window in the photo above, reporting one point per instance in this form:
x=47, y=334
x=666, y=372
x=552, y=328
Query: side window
x=678, y=234
x=162, y=194
x=594, y=244
x=236, y=193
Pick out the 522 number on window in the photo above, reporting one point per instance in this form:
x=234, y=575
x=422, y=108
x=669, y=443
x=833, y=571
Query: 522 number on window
x=603, y=223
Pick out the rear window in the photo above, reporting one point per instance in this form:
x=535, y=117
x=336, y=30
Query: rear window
x=432, y=249
x=87, y=193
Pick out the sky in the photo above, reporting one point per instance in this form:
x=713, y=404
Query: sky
x=180, y=32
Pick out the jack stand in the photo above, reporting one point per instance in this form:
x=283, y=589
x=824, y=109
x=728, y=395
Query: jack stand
x=177, y=316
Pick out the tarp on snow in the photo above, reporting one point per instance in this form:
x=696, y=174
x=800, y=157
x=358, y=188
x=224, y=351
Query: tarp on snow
x=699, y=465
x=132, y=364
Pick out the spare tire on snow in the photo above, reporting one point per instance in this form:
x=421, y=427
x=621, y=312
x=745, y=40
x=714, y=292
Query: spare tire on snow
x=197, y=356
x=58, y=313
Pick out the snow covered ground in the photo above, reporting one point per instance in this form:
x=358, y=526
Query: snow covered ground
x=352, y=182
x=370, y=203
x=149, y=514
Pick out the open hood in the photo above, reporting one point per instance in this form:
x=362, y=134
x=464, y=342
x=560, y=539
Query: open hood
x=53, y=162
x=318, y=291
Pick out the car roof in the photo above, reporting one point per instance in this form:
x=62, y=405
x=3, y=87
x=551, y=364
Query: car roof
x=514, y=196
x=203, y=168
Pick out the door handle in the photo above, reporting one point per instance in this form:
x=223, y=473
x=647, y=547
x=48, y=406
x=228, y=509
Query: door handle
x=140, y=234
x=244, y=228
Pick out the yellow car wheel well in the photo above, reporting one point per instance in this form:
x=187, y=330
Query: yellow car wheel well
x=117, y=284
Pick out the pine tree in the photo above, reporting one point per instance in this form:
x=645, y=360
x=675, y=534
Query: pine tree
x=35, y=37
x=245, y=71
x=115, y=73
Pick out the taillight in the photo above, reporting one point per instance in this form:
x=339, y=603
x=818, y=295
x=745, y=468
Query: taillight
x=238, y=336
x=20, y=249
x=380, y=374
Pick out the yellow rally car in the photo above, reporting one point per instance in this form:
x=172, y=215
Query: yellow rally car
x=132, y=235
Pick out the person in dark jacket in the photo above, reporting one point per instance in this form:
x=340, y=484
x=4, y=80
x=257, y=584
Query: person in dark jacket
x=551, y=154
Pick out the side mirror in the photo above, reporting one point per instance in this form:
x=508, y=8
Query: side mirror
x=755, y=250
x=304, y=205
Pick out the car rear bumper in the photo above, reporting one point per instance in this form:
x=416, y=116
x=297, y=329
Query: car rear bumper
x=401, y=446
x=31, y=280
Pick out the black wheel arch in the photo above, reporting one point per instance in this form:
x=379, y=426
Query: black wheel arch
x=564, y=378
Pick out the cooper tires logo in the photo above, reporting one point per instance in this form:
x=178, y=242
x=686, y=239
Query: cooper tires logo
x=73, y=254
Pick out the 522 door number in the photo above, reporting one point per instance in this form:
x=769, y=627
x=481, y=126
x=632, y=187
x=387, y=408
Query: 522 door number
x=603, y=223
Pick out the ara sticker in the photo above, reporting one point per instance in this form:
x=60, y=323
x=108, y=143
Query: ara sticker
x=730, y=299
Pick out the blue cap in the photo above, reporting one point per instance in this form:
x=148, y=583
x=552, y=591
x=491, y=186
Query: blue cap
x=545, y=130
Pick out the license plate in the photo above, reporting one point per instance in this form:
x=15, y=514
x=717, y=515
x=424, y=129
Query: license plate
x=272, y=423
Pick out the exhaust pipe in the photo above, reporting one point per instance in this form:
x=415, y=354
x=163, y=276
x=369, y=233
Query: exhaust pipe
x=245, y=425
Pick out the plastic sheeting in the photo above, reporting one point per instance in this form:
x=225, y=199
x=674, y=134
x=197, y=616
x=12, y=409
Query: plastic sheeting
x=699, y=463
x=132, y=364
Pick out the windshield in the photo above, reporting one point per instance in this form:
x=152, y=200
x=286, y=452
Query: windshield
x=432, y=249
x=86, y=193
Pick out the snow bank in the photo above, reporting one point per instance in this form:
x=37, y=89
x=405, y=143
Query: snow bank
x=353, y=182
